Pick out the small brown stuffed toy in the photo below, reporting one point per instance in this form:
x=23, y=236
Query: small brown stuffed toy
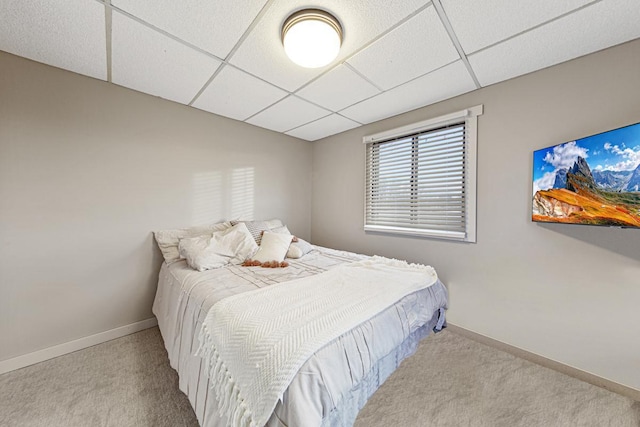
x=266, y=264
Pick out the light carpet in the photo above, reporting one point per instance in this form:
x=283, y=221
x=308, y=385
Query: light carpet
x=450, y=381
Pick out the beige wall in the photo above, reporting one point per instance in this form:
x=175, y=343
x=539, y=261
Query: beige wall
x=569, y=293
x=89, y=169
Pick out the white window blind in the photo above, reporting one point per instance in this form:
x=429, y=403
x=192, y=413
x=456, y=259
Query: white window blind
x=418, y=180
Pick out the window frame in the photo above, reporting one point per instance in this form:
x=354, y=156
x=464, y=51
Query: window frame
x=470, y=118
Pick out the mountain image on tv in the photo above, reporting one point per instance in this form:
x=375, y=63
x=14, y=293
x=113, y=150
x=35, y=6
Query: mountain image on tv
x=593, y=180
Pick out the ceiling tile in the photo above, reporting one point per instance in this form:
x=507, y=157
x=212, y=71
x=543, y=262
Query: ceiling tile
x=478, y=24
x=68, y=34
x=447, y=82
x=171, y=49
x=262, y=54
x=214, y=26
x=416, y=47
x=287, y=114
x=236, y=94
x=323, y=127
x=338, y=89
x=593, y=28
x=150, y=62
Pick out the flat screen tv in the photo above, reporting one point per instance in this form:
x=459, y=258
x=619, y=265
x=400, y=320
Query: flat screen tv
x=593, y=180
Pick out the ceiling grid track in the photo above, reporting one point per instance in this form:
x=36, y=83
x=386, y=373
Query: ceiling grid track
x=362, y=76
x=308, y=123
x=225, y=61
x=249, y=29
x=321, y=118
x=206, y=85
x=108, y=13
x=191, y=46
x=535, y=27
x=395, y=87
x=166, y=34
x=384, y=68
x=293, y=95
x=254, y=23
x=452, y=35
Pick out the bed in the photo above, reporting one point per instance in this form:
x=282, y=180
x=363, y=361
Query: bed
x=334, y=383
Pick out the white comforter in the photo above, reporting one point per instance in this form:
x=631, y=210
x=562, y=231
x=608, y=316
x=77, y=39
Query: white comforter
x=335, y=382
x=255, y=343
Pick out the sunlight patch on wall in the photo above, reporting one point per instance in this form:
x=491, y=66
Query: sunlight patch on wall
x=242, y=193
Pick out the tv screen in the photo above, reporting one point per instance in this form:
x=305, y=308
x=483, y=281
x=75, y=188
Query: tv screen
x=593, y=180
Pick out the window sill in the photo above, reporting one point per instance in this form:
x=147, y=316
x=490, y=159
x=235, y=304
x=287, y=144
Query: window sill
x=447, y=235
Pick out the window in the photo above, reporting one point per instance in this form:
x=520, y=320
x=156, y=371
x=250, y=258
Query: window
x=420, y=179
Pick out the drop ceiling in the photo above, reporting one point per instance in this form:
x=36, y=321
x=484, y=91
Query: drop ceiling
x=226, y=57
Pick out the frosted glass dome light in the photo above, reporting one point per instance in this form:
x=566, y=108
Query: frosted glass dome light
x=311, y=38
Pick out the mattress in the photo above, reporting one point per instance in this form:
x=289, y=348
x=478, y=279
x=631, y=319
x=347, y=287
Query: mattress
x=335, y=383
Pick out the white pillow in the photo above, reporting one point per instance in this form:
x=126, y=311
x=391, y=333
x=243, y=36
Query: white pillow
x=168, y=239
x=255, y=228
x=274, y=223
x=239, y=238
x=282, y=230
x=204, y=253
x=233, y=245
x=273, y=247
x=299, y=249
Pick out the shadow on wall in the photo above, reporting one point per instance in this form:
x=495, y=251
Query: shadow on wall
x=156, y=260
x=223, y=195
x=623, y=241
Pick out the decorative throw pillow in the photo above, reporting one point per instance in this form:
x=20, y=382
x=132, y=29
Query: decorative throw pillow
x=168, y=239
x=273, y=247
x=299, y=249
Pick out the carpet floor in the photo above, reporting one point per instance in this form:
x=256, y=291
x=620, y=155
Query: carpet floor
x=450, y=381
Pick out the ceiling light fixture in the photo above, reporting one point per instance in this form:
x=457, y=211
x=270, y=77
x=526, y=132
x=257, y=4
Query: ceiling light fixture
x=311, y=37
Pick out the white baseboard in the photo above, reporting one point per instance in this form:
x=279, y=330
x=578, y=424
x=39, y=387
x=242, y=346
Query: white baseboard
x=75, y=345
x=548, y=363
